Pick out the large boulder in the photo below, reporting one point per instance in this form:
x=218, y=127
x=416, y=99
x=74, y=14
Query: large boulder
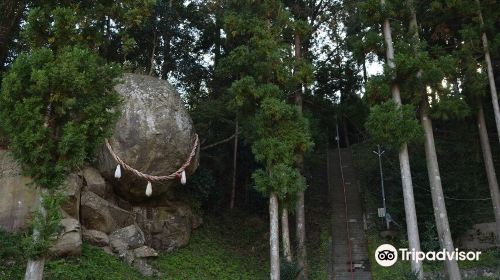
x=102, y=215
x=95, y=237
x=71, y=190
x=167, y=228
x=95, y=183
x=154, y=135
x=18, y=197
x=126, y=238
x=69, y=240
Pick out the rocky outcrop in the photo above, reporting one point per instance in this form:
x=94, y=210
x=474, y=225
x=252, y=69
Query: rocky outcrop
x=95, y=237
x=95, y=183
x=128, y=244
x=18, y=198
x=102, y=215
x=167, y=227
x=145, y=252
x=126, y=238
x=71, y=190
x=154, y=134
x=69, y=240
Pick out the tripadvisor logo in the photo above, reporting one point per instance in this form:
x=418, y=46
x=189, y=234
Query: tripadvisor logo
x=387, y=255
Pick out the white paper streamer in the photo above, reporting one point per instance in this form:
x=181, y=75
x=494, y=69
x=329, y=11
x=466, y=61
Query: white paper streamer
x=183, y=177
x=118, y=172
x=149, y=189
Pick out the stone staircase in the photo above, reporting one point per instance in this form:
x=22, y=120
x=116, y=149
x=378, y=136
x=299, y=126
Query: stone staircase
x=348, y=252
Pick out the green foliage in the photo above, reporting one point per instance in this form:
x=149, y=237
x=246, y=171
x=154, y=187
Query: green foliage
x=279, y=133
x=262, y=77
x=47, y=224
x=378, y=89
x=12, y=255
x=450, y=107
x=57, y=108
x=94, y=263
x=219, y=251
x=200, y=188
x=59, y=24
x=393, y=125
x=288, y=270
x=281, y=179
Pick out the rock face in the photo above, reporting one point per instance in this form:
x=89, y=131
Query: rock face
x=130, y=237
x=95, y=237
x=71, y=190
x=128, y=244
x=155, y=135
x=69, y=241
x=167, y=228
x=102, y=215
x=95, y=183
x=18, y=199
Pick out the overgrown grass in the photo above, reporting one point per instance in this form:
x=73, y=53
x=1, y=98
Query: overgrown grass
x=93, y=264
x=12, y=260
x=399, y=271
x=318, y=260
x=218, y=251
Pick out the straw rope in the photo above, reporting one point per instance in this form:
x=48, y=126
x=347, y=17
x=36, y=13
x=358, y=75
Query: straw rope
x=153, y=178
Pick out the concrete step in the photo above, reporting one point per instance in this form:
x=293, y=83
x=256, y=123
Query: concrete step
x=348, y=236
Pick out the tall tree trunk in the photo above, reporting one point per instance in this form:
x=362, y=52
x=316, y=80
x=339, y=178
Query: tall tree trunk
x=235, y=158
x=404, y=162
x=34, y=268
x=440, y=213
x=274, y=236
x=490, y=168
x=438, y=203
x=491, y=77
x=285, y=235
x=300, y=215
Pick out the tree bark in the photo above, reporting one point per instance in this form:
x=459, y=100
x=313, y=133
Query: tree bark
x=285, y=231
x=235, y=158
x=490, y=168
x=34, y=268
x=404, y=162
x=440, y=213
x=491, y=76
x=300, y=217
x=274, y=236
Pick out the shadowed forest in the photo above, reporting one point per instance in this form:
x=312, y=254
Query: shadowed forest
x=248, y=139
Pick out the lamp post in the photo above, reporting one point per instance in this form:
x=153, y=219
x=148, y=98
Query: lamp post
x=379, y=153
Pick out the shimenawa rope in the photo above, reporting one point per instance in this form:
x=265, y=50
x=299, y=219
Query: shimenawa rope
x=179, y=173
